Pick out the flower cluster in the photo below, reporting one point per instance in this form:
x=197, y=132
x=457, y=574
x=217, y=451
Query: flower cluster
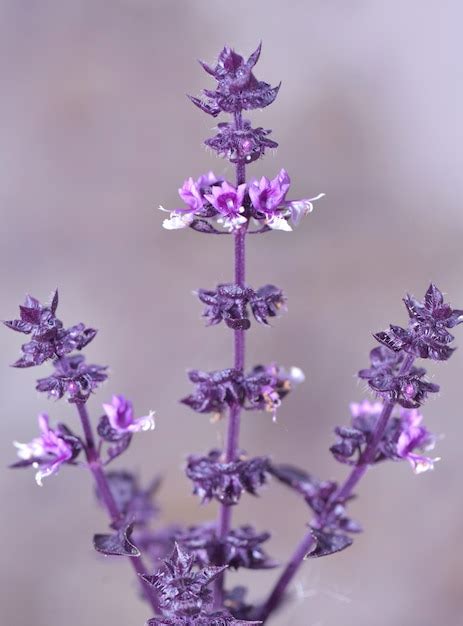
x=49, y=451
x=73, y=377
x=262, y=388
x=427, y=335
x=237, y=87
x=185, y=596
x=231, y=206
x=403, y=438
x=215, y=478
x=241, y=547
x=240, y=144
x=230, y=303
x=77, y=380
x=49, y=338
x=410, y=389
x=189, y=588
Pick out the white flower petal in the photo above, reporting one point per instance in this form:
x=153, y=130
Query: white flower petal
x=279, y=223
x=177, y=220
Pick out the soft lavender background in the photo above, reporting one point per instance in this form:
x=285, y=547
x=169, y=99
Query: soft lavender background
x=95, y=133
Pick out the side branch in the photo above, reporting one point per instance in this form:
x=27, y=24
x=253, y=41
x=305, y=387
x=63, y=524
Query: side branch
x=101, y=482
x=341, y=495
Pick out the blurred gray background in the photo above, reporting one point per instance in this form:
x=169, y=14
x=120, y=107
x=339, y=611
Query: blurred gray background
x=95, y=133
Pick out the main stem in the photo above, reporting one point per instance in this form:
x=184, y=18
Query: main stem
x=341, y=495
x=233, y=432
x=101, y=481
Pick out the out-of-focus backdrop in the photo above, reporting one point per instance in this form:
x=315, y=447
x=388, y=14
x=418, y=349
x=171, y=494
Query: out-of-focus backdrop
x=95, y=133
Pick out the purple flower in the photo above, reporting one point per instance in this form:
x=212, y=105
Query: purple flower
x=193, y=194
x=268, y=201
x=74, y=377
x=353, y=440
x=402, y=438
x=240, y=144
x=181, y=218
x=49, y=339
x=267, y=196
x=215, y=478
x=427, y=335
x=190, y=194
x=228, y=201
x=49, y=451
x=206, y=181
x=414, y=436
x=237, y=87
x=240, y=548
x=119, y=414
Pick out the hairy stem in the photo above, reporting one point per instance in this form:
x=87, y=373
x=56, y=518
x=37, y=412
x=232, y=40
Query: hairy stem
x=341, y=495
x=101, y=481
x=233, y=431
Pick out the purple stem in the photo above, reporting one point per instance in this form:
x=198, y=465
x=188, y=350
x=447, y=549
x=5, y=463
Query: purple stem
x=233, y=432
x=95, y=466
x=341, y=495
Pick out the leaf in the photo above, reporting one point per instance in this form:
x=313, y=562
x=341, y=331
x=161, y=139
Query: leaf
x=54, y=301
x=117, y=544
x=327, y=543
x=254, y=56
x=207, y=107
x=30, y=314
x=19, y=325
x=23, y=362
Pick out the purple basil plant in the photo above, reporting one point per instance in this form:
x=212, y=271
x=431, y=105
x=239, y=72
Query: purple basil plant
x=182, y=569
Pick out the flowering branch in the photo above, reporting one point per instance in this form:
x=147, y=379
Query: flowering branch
x=76, y=380
x=341, y=496
x=374, y=436
x=189, y=563
x=233, y=433
x=104, y=491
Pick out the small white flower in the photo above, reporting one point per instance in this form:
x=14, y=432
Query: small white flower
x=177, y=220
x=301, y=208
x=147, y=422
x=279, y=223
x=232, y=223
